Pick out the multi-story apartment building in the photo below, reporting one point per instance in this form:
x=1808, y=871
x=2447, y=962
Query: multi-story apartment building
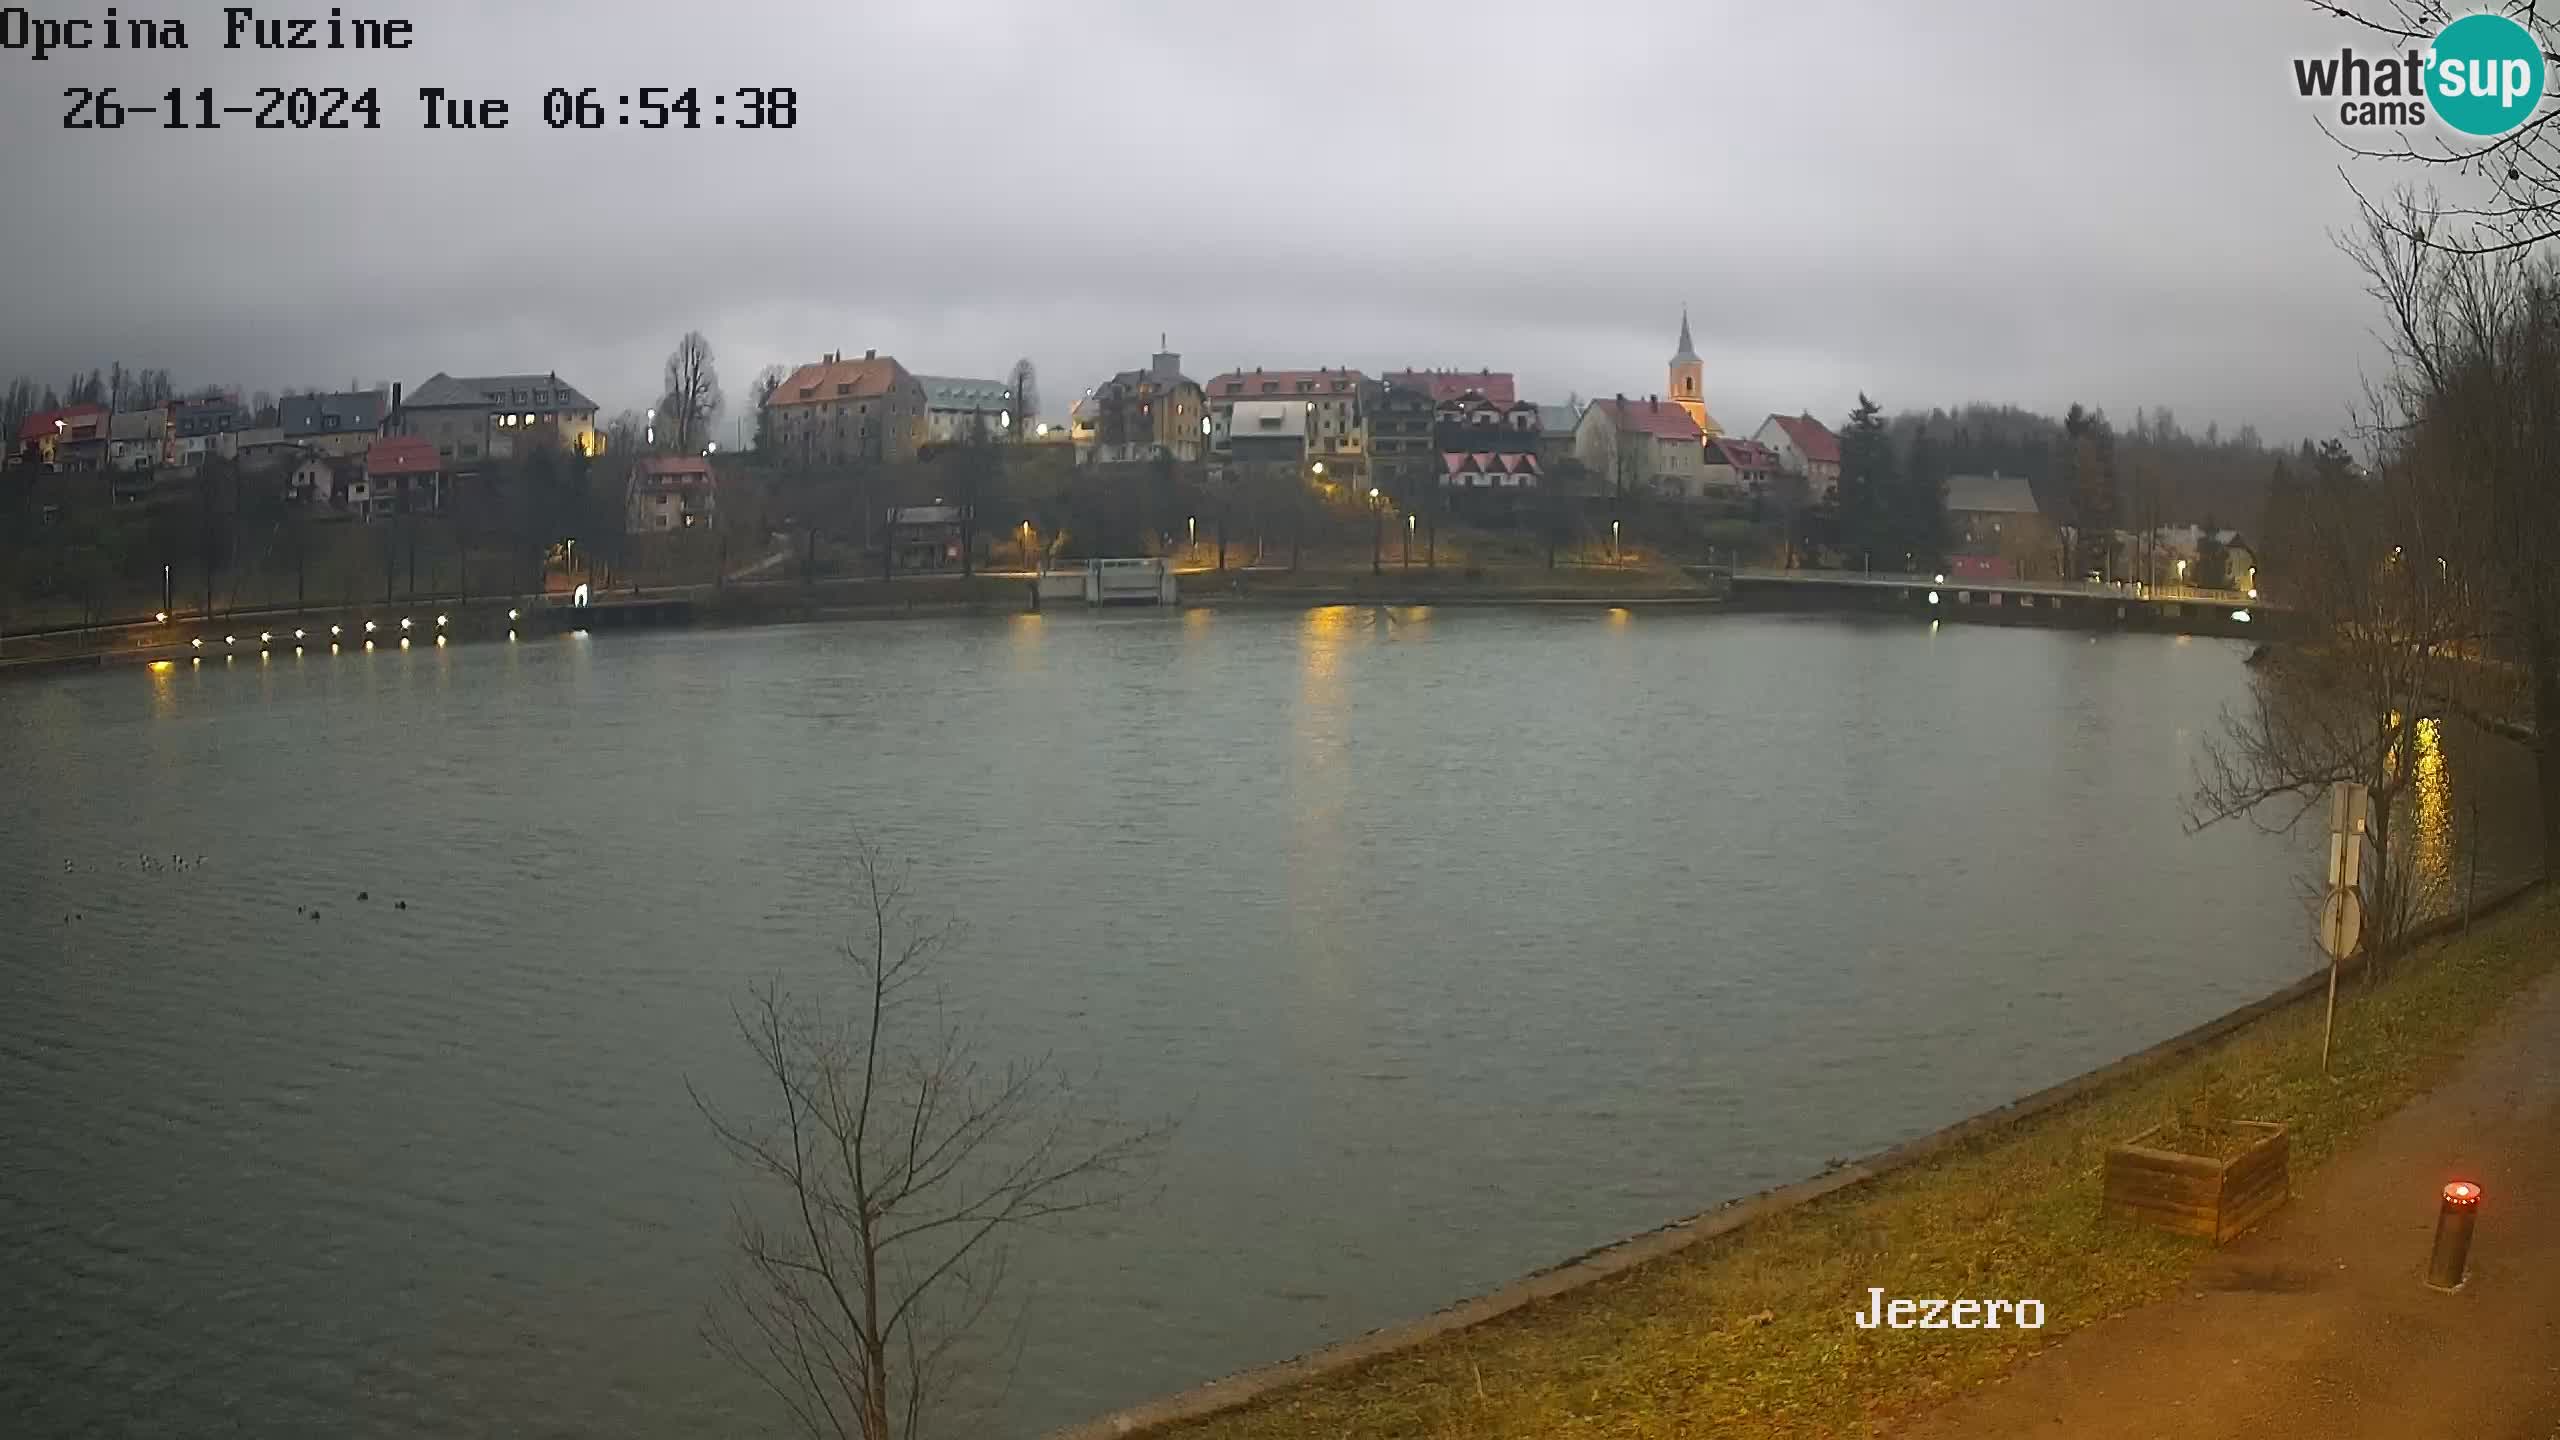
x=958, y=409
x=1136, y=415
x=480, y=418
x=1337, y=430
x=342, y=424
x=841, y=411
x=1403, y=458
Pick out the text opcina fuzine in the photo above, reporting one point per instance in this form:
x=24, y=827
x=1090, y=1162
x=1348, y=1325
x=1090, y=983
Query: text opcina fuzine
x=1936, y=1314
x=241, y=27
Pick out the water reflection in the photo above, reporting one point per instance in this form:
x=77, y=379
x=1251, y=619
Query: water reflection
x=2431, y=801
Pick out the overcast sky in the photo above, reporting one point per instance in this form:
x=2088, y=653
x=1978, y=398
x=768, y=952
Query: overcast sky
x=1966, y=199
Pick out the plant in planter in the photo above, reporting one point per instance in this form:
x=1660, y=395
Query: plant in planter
x=2200, y=1172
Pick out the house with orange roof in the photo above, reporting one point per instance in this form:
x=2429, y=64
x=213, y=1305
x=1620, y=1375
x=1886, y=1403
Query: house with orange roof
x=840, y=411
x=58, y=439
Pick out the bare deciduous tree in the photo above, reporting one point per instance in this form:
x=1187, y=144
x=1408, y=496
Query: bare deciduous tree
x=894, y=1165
x=2475, y=341
x=693, y=398
x=2516, y=176
x=1025, y=384
x=768, y=380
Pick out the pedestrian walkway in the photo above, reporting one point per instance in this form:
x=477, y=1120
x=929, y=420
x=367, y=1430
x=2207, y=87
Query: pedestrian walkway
x=2320, y=1323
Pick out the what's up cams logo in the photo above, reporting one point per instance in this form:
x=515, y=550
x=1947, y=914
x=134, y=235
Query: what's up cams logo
x=2483, y=76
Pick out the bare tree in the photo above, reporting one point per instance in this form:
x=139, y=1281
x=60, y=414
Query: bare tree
x=2516, y=175
x=1025, y=385
x=2475, y=341
x=693, y=397
x=894, y=1167
x=2347, y=698
x=768, y=380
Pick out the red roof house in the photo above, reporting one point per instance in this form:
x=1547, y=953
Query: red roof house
x=400, y=455
x=69, y=425
x=1812, y=438
x=1652, y=416
x=1442, y=385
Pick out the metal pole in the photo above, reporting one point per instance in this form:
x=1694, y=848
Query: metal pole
x=2329, y=1021
x=2471, y=887
x=2452, y=1254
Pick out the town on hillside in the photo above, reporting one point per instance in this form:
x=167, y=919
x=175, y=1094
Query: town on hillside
x=857, y=462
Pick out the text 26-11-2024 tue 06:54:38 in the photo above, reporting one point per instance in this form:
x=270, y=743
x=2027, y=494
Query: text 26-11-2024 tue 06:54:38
x=649, y=107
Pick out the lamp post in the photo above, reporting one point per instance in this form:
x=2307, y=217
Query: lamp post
x=1408, y=539
x=1615, y=552
x=1377, y=532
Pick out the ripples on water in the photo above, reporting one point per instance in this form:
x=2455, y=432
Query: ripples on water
x=1460, y=942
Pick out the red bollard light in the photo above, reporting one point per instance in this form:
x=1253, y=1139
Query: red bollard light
x=2453, y=1235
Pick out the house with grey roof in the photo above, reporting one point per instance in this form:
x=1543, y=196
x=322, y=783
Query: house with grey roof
x=480, y=418
x=339, y=424
x=1997, y=531
x=955, y=408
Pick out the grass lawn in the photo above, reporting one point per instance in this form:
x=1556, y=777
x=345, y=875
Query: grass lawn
x=1749, y=1334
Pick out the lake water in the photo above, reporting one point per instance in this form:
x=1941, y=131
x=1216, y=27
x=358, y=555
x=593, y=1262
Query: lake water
x=1458, y=941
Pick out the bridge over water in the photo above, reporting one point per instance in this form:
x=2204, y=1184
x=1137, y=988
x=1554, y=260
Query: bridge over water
x=2083, y=605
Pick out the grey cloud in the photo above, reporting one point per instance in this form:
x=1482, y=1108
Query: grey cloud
x=1932, y=203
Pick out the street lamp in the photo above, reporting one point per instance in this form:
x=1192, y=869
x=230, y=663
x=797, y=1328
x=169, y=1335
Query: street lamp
x=1319, y=470
x=1194, y=523
x=1409, y=518
x=1377, y=531
x=1614, y=552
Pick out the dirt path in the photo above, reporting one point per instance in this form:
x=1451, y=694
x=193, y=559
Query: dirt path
x=2318, y=1324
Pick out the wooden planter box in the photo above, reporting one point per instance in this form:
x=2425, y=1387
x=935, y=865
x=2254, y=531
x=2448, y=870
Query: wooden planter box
x=2194, y=1195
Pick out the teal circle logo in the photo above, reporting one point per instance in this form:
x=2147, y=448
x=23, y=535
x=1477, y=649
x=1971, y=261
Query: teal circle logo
x=2484, y=76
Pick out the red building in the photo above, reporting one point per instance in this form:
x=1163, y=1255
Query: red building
x=60, y=439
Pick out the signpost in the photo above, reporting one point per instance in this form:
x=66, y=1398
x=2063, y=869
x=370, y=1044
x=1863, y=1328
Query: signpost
x=2341, y=923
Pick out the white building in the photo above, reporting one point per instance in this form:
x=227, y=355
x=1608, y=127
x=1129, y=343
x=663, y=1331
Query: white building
x=955, y=406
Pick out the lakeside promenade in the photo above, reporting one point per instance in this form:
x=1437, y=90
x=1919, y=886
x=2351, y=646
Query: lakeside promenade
x=2317, y=1324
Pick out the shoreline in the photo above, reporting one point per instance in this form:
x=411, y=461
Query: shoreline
x=751, y=603
x=1229, y=1394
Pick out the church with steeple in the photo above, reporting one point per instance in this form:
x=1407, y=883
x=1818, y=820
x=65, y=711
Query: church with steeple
x=1688, y=381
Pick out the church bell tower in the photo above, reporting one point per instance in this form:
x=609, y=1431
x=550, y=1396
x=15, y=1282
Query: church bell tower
x=1688, y=378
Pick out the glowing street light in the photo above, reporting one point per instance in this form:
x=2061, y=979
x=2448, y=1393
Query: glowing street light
x=404, y=622
x=162, y=617
x=1319, y=467
x=440, y=622
x=368, y=627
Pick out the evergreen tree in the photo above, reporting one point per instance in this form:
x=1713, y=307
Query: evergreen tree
x=2213, y=558
x=1920, y=503
x=2089, y=464
x=1867, y=510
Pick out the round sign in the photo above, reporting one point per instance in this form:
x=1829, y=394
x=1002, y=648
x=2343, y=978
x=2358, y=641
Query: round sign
x=2341, y=923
